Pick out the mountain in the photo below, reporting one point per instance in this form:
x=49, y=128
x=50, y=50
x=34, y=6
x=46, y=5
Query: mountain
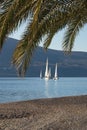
x=73, y=65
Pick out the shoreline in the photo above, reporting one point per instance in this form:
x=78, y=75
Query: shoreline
x=63, y=113
x=44, y=99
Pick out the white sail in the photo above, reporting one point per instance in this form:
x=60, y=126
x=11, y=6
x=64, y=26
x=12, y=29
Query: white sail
x=56, y=75
x=47, y=71
x=41, y=74
x=56, y=71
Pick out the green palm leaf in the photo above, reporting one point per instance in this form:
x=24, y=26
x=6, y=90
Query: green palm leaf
x=45, y=18
x=71, y=32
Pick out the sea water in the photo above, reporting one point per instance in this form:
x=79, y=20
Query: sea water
x=20, y=89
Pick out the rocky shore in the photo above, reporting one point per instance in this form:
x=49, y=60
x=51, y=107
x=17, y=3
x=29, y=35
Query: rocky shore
x=67, y=113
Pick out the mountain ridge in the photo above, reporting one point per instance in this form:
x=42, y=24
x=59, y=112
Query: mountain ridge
x=73, y=65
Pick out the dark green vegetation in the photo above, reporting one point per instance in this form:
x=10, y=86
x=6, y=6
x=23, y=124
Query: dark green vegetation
x=74, y=65
x=46, y=18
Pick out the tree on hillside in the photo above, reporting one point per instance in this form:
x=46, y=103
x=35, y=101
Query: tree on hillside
x=45, y=18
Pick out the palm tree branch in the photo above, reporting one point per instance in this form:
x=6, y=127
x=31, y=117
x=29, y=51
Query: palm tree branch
x=12, y=17
x=70, y=34
x=26, y=47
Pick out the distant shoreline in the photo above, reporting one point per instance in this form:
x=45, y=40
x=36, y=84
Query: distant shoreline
x=73, y=65
x=64, y=113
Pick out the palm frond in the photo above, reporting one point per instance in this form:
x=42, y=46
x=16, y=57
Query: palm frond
x=12, y=18
x=8, y=19
x=24, y=50
x=45, y=17
x=72, y=30
x=59, y=25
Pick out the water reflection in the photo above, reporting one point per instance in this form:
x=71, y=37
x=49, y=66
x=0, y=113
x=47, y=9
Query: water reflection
x=47, y=88
x=51, y=88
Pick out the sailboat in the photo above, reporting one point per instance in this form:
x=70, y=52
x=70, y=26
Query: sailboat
x=50, y=73
x=47, y=75
x=41, y=74
x=47, y=71
x=56, y=75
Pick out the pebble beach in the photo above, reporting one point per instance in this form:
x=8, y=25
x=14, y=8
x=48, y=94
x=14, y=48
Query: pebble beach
x=66, y=113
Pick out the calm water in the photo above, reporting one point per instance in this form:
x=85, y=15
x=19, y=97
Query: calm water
x=19, y=89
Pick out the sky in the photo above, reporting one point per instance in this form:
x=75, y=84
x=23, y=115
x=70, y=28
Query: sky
x=80, y=43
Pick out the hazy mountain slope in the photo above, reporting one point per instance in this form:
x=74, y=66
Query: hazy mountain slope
x=71, y=65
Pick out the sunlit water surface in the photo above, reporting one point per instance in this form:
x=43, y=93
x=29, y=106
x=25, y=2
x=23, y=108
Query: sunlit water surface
x=20, y=89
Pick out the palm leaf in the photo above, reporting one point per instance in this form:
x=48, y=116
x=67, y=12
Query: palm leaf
x=45, y=17
x=12, y=18
x=72, y=30
x=24, y=50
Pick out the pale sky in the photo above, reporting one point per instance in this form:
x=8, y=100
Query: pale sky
x=80, y=43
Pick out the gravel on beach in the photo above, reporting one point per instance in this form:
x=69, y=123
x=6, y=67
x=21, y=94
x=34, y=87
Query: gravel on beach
x=67, y=113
